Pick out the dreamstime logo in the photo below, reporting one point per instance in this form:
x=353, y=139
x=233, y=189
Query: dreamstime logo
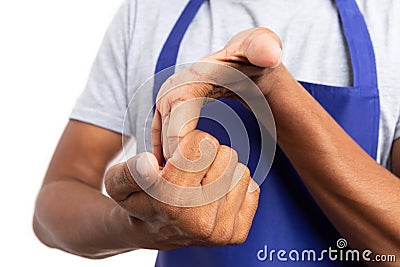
x=219, y=80
x=341, y=243
x=340, y=253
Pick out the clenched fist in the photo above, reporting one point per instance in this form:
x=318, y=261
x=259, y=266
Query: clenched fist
x=200, y=171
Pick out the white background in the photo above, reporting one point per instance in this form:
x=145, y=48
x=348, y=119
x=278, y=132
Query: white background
x=46, y=50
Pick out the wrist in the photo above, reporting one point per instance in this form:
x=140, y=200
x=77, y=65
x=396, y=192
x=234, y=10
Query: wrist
x=275, y=82
x=122, y=228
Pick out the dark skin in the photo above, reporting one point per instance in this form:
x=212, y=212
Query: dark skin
x=107, y=227
x=74, y=177
x=360, y=197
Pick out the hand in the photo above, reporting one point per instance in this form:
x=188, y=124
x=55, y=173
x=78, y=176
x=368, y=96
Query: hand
x=254, y=52
x=198, y=163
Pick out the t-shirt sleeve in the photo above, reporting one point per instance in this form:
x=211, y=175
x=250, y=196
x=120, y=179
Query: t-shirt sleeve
x=104, y=100
x=397, y=131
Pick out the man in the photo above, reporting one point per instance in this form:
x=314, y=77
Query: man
x=333, y=128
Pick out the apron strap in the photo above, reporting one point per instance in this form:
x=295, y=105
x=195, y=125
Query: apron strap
x=169, y=52
x=355, y=29
x=359, y=43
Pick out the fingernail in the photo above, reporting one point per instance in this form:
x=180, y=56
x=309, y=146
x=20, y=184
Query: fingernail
x=252, y=186
x=143, y=170
x=278, y=51
x=143, y=166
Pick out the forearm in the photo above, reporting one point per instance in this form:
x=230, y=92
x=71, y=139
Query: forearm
x=79, y=219
x=360, y=197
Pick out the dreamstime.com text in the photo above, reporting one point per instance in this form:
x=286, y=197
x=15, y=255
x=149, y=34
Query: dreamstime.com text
x=340, y=253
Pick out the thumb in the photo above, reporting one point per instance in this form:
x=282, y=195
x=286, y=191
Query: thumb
x=259, y=46
x=136, y=174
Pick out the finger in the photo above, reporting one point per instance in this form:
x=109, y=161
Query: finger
x=156, y=137
x=125, y=178
x=179, y=103
x=179, y=183
x=164, y=137
x=229, y=206
x=245, y=216
x=218, y=180
x=258, y=46
x=191, y=161
x=239, y=187
x=181, y=121
x=225, y=163
x=140, y=206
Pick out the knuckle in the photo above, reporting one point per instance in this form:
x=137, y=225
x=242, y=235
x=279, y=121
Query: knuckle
x=116, y=177
x=223, y=236
x=240, y=238
x=228, y=152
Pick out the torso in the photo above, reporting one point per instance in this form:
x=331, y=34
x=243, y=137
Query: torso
x=314, y=46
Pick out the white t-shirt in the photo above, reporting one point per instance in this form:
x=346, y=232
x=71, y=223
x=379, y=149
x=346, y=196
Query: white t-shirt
x=314, y=51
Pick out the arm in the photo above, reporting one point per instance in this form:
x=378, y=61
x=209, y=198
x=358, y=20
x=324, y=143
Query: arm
x=71, y=212
x=73, y=215
x=396, y=157
x=359, y=196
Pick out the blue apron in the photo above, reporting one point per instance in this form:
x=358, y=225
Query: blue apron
x=287, y=217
